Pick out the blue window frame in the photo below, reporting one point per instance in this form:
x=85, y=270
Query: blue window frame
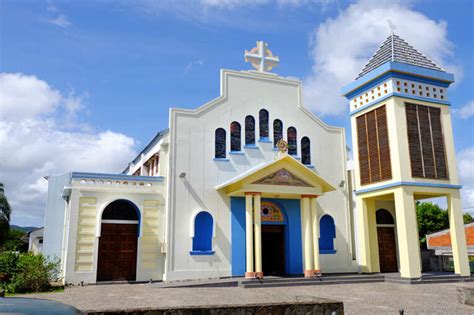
x=203, y=231
x=327, y=231
x=220, y=143
x=305, y=151
x=235, y=131
x=277, y=131
x=249, y=130
x=263, y=124
x=292, y=145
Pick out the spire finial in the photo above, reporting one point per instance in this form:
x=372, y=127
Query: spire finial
x=261, y=57
x=392, y=26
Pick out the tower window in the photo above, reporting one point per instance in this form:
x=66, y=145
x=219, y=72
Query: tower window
x=373, y=147
x=292, y=145
x=235, y=132
x=220, y=143
x=249, y=130
x=426, y=143
x=263, y=122
x=277, y=131
x=305, y=151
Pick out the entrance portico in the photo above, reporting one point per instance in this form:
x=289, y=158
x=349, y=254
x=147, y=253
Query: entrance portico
x=285, y=178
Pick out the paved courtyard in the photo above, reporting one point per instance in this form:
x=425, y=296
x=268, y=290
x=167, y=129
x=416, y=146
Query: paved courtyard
x=369, y=298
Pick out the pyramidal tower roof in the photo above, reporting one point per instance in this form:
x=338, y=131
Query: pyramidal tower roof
x=396, y=49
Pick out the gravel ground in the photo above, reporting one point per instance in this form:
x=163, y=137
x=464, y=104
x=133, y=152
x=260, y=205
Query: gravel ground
x=369, y=298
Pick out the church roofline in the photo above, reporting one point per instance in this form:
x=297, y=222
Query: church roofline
x=434, y=76
x=87, y=175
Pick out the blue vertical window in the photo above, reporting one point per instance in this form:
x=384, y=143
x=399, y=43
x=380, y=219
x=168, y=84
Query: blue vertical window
x=235, y=136
x=220, y=143
x=327, y=231
x=263, y=122
x=277, y=131
x=292, y=145
x=305, y=151
x=249, y=130
x=203, y=231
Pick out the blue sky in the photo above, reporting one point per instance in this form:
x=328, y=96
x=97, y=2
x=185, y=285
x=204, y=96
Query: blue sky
x=86, y=84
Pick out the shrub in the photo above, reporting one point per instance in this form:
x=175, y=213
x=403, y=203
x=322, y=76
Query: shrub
x=8, y=265
x=32, y=273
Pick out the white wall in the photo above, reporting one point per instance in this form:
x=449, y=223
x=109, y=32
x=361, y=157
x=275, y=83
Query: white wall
x=192, y=151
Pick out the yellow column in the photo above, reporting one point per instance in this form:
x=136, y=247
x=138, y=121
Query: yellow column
x=308, y=237
x=458, y=236
x=249, y=236
x=315, y=223
x=373, y=237
x=407, y=234
x=362, y=205
x=258, y=236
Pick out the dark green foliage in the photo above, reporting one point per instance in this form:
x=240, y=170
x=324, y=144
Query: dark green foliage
x=16, y=241
x=467, y=218
x=5, y=212
x=25, y=272
x=431, y=218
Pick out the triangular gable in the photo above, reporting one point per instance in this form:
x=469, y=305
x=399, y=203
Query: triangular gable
x=282, y=177
x=269, y=177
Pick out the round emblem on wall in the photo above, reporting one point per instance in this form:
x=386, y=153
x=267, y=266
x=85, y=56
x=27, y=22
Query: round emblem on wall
x=282, y=145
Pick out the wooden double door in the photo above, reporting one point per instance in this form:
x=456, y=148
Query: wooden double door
x=387, y=249
x=117, y=258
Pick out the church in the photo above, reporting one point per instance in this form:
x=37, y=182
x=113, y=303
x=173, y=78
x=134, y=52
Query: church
x=252, y=184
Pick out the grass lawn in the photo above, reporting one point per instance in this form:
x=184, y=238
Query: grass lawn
x=52, y=290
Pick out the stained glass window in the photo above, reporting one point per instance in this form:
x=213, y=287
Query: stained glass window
x=305, y=151
x=249, y=130
x=277, y=131
x=235, y=136
x=263, y=120
x=292, y=145
x=220, y=143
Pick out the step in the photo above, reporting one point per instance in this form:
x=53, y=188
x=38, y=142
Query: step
x=317, y=279
x=307, y=283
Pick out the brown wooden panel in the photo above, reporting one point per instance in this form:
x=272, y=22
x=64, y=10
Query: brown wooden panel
x=438, y=143
x=426, y=144
x=117, y=256
x=387, y=249
x=363, y=150
x=374, y=160
x=414, y=141
x=384, y=145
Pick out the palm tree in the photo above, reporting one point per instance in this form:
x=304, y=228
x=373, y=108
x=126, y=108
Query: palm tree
x=5, y=211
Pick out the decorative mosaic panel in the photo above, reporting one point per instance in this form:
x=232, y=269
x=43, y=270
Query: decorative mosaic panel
x=270, y=212
x=282, y=177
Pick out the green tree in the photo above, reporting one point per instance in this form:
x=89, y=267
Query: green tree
x=5, y=212
x=467, y=218
x=431, y=218
x=16, y=241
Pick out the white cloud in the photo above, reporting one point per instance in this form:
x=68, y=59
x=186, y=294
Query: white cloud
x=189, y=67
x=37, y=140
x=341, y=46
x=467, y=111
x=466, y=175
x=61, y=20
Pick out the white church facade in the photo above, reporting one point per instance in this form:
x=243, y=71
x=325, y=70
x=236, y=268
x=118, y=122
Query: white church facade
x=250, y=184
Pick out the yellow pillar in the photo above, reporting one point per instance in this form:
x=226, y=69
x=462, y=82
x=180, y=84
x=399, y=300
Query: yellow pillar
x=363, y=205
x=373, y=237
x=458, y=236
x=308, y=237
x=407, y=234
x=258, y=236
x=249, y=235
x=315, y=224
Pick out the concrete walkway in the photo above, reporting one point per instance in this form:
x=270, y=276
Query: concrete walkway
x=367, y=298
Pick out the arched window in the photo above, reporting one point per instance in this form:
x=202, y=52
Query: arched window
x=305, y=151
x=120, y=210
x=249, y=130
x=327, y=231
x=292, y=145
x=277, y=131
x=202, y=238
x=263, y=122
x=383, y=216
x=220, y=143
x=234, y=136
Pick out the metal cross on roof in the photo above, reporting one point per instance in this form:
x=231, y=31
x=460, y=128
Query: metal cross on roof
x=261, y=57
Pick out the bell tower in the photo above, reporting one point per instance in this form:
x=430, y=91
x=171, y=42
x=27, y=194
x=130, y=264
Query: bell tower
x=403, y=152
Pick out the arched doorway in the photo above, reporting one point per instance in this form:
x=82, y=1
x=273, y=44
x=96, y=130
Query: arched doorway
x=386, y=241
x=273, y=239
x=117, y=258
